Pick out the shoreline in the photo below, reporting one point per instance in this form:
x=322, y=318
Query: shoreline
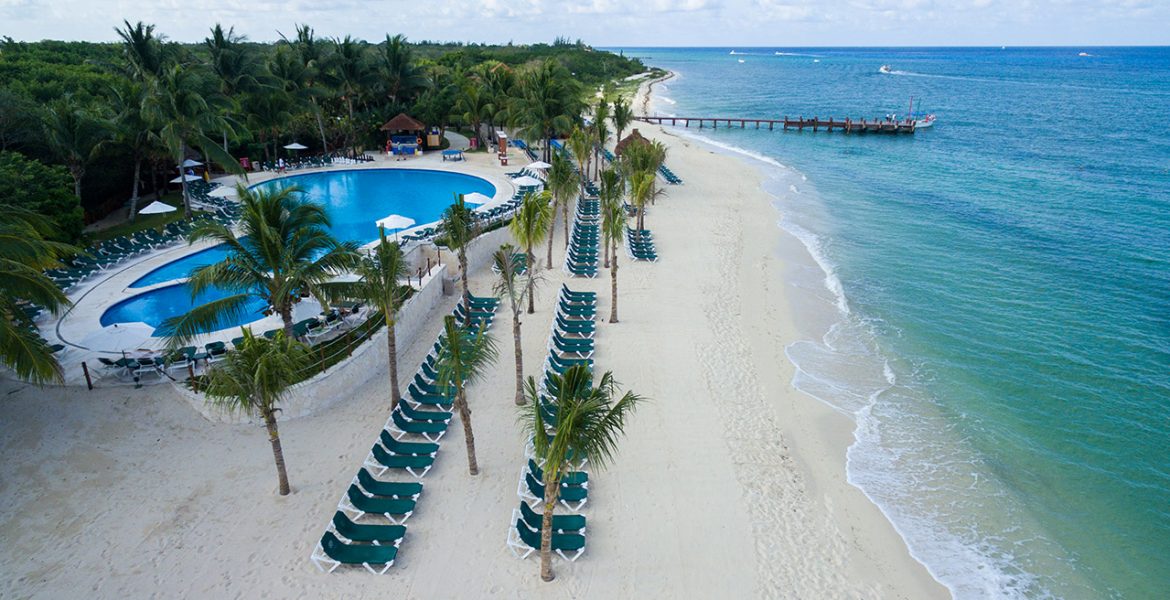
x=832, y=434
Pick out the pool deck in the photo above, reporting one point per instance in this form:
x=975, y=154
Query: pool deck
x=79, y=328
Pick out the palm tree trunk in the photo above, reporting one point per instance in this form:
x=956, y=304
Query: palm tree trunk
x=531, y=282
x=286, y=316
x=519, y=355
x=613, y=318
x=183, y=185
x=392, y=356
x=552, y=229
x=641, y=218
x=463, y=278
x=134, y=192
x=551, y=491
x=320, y=126
x=77, y=173
x=605, y=247
x=225, y=148
x=565, y=216
x=277, y=452
x=468, y=436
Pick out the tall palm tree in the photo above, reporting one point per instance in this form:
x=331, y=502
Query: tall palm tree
x=76, y=134
x=183, y=112
x=641, y=192
x=314, y=60
x=600, y=134
x=24, y=255
x=132, y=131
x=146, y=56
x=589, y=423
x=464, y=358
x=285, y=250
x=268, y=112
x=253, y=379
x=643, y=160
x=473, y=106
x=400, y=74
x=350, y=73
x=623, y=117
x=613, y=231
x=529, y=226
x=235, y=67
x=610, y=194
x=378, y=285
x=458, y=227
x=581, y=145
x=548, y=102
x=508, y=284
x=564, y=185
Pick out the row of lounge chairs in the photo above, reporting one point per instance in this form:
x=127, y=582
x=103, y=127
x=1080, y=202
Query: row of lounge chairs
x=671, y=178
x=640, y=245
x=408, y=443
x=570, y=342
x=581, y=259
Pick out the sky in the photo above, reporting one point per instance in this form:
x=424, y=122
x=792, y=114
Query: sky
x=725, y=23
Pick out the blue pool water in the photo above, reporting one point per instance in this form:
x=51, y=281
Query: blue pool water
x=354, y=201
x=1000, y=294
x=158, y=305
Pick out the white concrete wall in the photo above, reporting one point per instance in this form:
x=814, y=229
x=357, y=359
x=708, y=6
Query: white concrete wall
x=341, y=380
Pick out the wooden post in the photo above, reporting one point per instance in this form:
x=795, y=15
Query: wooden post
x=88, y=381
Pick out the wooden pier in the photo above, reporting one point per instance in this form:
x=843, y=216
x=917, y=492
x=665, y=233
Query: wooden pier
x=846, y=125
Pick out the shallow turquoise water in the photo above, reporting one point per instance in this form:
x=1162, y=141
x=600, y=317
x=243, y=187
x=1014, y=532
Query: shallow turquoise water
x=1005, y=338
x=354, y=201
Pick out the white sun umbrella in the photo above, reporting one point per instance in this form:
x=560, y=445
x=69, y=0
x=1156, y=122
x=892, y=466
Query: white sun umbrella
x=191, y=163
x=527, y=181
x=540, y=164
x=119, y=337
x=224, y=191
x=157, y=208
x=395, y=222
x=476, y=198
x=180, y=178
x=296, y=146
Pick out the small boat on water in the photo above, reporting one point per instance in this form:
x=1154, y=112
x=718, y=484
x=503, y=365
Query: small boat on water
x=920, y=122
x=1084, y=54
x=741, y=61
x=885, y=69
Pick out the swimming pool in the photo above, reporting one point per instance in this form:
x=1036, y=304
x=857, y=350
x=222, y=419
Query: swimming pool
x=354, y=201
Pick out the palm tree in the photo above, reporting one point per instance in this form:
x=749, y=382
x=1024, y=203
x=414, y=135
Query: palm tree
x=313, y=60
x=252, y=380
x=623, y=116
x=458, y=227
x=613, y=230
x=269, y=111
x=180, y=107
x=508, y=284
x=610, y=194
x=285, y=250
x=581, y=145
x=464, y=358
x=473, y=106
x=529, y=228
x=589, y=423
x=234, y=65
x=24, y=255
x=400, y=74
x=564, y=185
x=548, y=101
x=351, y=75
x=641, y=192
x=145, y=54
x=379, y=286
x=76, y=135
x=643, y=160
x=600, y=134
x=131, y=131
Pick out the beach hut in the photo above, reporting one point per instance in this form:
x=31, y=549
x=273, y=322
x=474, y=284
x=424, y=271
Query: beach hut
x=634, y=138
x=404, y=135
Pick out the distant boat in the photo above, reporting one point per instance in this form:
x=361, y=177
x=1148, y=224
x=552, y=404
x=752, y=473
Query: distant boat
x=741, y=61
x=732, y=52
x=1084, y=54
x=1003, y=47
x=816, y=60
x=885, y=69
x=922, y=122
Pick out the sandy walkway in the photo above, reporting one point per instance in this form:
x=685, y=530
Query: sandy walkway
x=730, y=483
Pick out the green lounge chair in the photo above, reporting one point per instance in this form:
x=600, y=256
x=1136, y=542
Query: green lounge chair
x=387, y=489
x=406, y=448
x=523, y=541
x=432, y=416
x=421, y=398
x=382, y=460
x=397, y=510
x=433, y=432
x=331, y=551
x=580, y=478
x=573, y=497
x=560, y=523
x=381, y=535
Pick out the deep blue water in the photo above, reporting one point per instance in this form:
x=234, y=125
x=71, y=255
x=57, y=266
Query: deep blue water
x=1003, y=329
x=354, y=201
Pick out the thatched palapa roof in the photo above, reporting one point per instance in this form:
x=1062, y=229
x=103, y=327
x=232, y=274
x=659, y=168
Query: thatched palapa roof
x=633, y=138
x=403, y=122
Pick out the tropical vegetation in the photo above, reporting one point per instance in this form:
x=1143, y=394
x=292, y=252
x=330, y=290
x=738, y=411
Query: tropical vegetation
x=464, y=357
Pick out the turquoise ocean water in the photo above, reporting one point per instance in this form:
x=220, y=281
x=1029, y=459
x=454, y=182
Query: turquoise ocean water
x=994, y=304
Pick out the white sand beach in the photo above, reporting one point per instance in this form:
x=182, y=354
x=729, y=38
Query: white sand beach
x=729, y=484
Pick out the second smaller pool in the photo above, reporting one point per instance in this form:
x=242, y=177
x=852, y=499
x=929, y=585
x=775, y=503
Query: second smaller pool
x=158, y=305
